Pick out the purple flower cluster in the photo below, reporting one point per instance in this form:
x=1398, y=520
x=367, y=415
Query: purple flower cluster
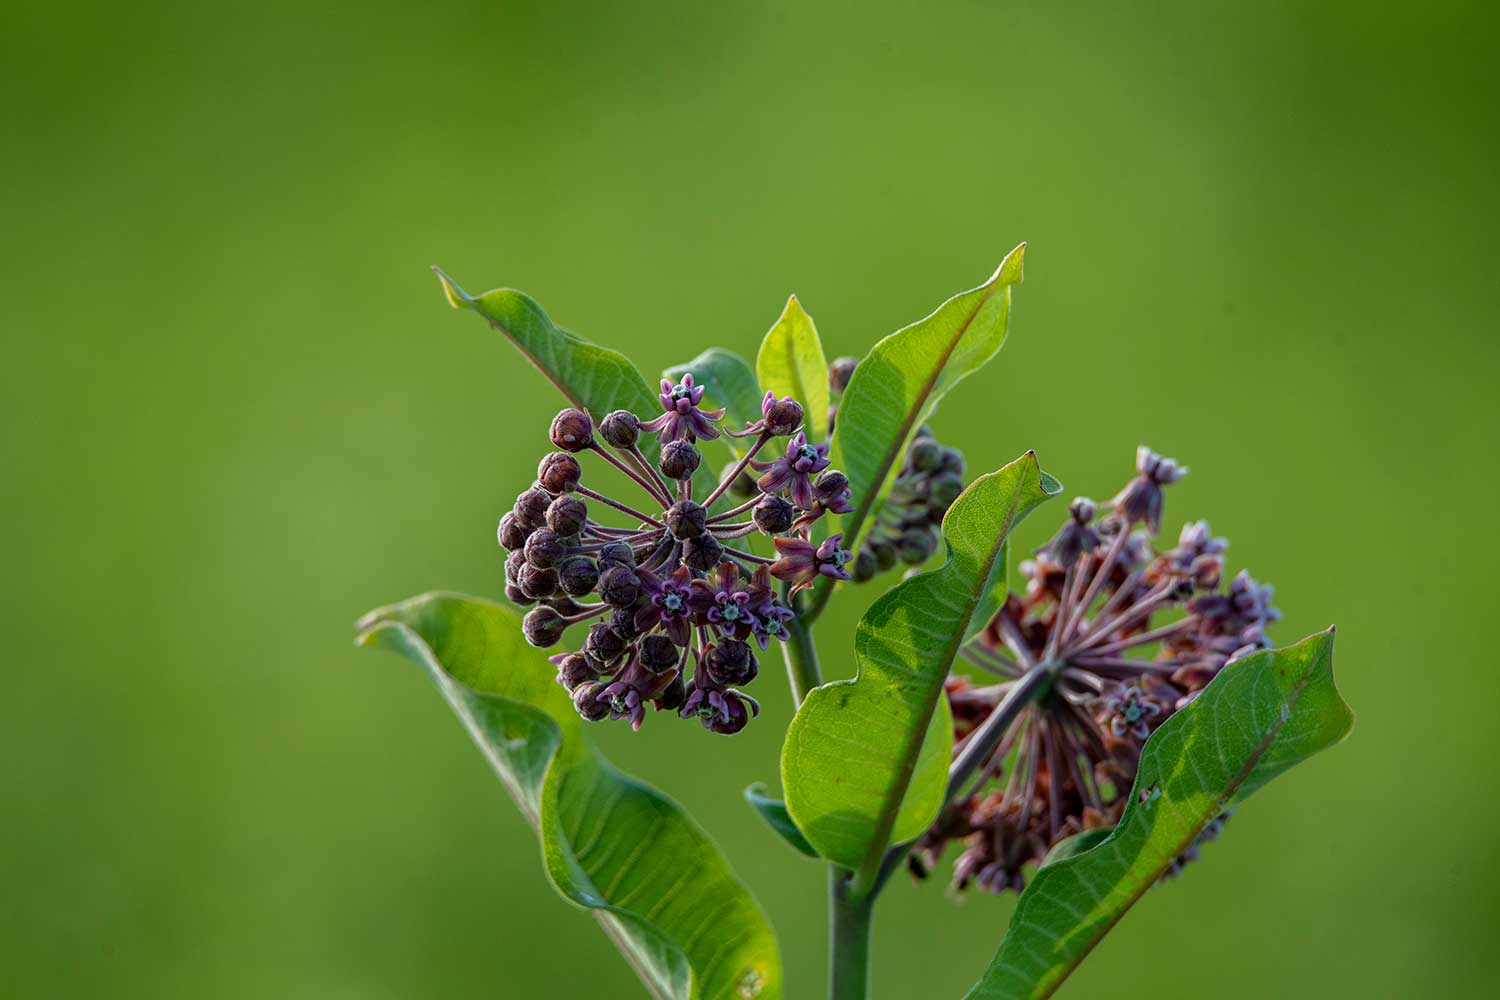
x=1092, y=613
x=676, y=605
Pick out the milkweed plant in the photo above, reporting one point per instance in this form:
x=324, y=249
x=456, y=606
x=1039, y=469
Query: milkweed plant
x=1076, y=742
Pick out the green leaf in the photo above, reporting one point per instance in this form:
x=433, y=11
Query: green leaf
x=899, y=383
x=1259, y=717
x=856, y=767
x=773, y=811
x=791, y=363
x=591, y=377
x=727, y=381
x=611, y=844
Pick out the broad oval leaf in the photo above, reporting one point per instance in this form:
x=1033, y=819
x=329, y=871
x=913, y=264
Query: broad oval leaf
x=791, y=363
x=773, y=811
x=865, y=761
x=651, y=876
x=898, y=384
x=1259, y=717
x=728, y=381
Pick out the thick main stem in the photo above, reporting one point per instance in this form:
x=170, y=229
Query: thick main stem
x=849, y=939
x=802, y=671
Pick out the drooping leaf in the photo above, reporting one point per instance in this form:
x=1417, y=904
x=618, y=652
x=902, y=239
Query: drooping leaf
x=791, y=363
x=899, y=383
x=1259, y=717
x=618, y=847
x=727, y=380
x=865, y=761
x=773, y=811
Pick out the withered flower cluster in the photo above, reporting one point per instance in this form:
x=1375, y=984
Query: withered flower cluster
x=908, y=528
x=675, y=585
x=1127, y=635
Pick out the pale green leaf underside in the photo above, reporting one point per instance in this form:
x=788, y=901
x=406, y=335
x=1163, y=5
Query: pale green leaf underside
x=791, y=363
x=1259, y=717
x=856, y=768
x=773, y=811
x=652, y=877
x=899, y=383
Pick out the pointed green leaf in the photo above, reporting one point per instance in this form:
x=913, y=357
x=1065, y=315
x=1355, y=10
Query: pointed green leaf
x=591, y=377
x=856, y=767
x=791, y=363
x=727, y=381
x=773, y=811
x=1259, y=717
x=611, y=844
x=899, y=383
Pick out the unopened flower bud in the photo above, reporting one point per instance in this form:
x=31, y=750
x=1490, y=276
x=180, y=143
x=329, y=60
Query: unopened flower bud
x=616, y=554
x=703, y=553
x=604, y=643
x=510, y=533
x=783, y=417
x=543, y=627
x=544, y=549
x=864, y=565
x=840, y=371
x=586, y=701
x=619, y=587
x=658, y=653
x=886, y=555
x=622, y=429
x=917, y=546
x=672, y=696
x=559, y=472
x=514, y=564
x=577, y=575
x=773, y=515
x=572, y=430
x=517, y=596
x=945, y=488
x=537, y=583
x=731, y=662
x=531, y=509
x=685, y=519
x=925, y=454
x=622, y=620
x=953, y=462
x=575, y=670
x=679, y=460
x=567, y=516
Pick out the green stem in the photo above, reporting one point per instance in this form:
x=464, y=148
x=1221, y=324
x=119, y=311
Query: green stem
x=849, y=939
x=801, y=654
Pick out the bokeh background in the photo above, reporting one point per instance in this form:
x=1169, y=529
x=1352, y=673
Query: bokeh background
x=238, y=413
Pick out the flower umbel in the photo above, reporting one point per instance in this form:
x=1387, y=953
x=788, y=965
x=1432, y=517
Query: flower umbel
x=674, y=584
x=1126, y=635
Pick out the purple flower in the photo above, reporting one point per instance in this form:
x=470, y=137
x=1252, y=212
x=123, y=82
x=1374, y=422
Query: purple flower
x=794, y=470
x=631, y=688
x=668, y=604
x=682, y=419
x=720, y=709
x=1141, y=499
x=801, y=563
x=831, y=495
x=722, y=603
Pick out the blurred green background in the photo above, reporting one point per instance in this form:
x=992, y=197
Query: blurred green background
x=239, y=413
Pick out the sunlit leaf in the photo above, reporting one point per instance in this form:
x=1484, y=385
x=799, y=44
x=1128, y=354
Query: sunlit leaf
x=773, y=811
x=1259, y=717
x=857, y=770
x=791, y=363
x=899, y=383
x=651, y=876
